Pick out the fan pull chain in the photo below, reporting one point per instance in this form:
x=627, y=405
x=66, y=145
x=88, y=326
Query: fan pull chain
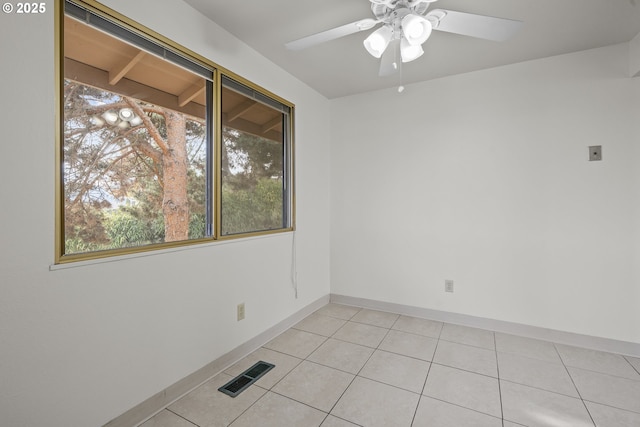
x=401, y=86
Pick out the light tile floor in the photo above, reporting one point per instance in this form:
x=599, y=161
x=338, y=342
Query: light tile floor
x=344, y=366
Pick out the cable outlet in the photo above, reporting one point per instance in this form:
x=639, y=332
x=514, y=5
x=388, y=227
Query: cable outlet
x=240, y=311
x=595, y=153
x=448, y=285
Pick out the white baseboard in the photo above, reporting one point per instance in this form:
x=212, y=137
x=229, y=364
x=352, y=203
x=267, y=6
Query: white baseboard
x=560, y=337
x=156, y=403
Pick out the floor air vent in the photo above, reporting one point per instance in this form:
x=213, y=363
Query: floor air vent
x=245, y=379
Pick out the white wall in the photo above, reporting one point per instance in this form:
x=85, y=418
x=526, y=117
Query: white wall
x=483, y=179
x=79, y=346
x=634, y=56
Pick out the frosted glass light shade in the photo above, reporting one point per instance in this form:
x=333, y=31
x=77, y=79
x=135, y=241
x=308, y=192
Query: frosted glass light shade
x=416, y=29
x=378, y=41
x=409, y=52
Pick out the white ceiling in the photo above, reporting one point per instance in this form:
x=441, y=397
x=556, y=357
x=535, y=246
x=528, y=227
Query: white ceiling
x=343, y=67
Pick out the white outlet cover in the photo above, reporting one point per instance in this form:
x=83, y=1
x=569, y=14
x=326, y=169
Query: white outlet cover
x=448, y=285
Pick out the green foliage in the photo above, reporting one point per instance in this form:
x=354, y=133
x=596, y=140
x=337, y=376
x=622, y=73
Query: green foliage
x=125, y=230
x=256, y=209
x=197, y=226
x=197, y=193
x=247, y=158
x=252, y=183
x=77, y=245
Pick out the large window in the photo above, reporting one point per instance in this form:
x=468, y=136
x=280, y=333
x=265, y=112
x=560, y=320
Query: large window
x=254, y=176
x=149, y=158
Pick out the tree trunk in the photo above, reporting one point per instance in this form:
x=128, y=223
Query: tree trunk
x=175, y=205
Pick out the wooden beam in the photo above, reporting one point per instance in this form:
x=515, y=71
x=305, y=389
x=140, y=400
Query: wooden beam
x=252, y=128
x=95, y=77
x=272, y=124
x=188, y=95
x=240, y=110
x=118, y=72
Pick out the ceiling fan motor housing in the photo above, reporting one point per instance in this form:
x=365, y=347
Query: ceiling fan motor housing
x=391, y=12
x=383, y=9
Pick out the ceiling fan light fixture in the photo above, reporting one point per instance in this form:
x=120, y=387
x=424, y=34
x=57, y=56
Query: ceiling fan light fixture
x=378, y=41
x=410, y=52
x=416, y=29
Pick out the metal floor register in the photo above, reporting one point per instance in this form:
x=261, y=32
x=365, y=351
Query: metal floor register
x=245, y=379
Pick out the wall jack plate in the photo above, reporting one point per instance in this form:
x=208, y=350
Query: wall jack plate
x=240, y=311
x=595, y=153
x=448, y=285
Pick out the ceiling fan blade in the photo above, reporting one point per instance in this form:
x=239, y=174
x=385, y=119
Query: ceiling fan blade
x=390, y=59
x=332, y=34
x=480, y=26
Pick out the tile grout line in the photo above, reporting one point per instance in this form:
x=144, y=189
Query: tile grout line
x=543, y=389
x=413, y=418
x=574, y=384
x=389, y=330
x=473, y=372
x=270, y=390
x=467, y=408
x=612, y=407
x=300, y=402
x=495, y=345
x=329, y=366
x=354, y=375
x=306, y=359
x=390, y=385
x=267, y=390
x=466, y=343
x=377, y=348
x=525, y=356
x=184, y=418
x=607, y=374
x=425, y=379
x=467, y=371
x=433, y=356
x=629, y=362
x=415, y=334
x=601, y=372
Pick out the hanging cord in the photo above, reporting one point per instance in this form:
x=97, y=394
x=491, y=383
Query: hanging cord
x=400, y=86
x=294, y=265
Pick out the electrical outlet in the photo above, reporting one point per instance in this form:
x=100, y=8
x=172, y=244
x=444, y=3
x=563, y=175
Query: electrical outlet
x=448, y=285
x=240, y=311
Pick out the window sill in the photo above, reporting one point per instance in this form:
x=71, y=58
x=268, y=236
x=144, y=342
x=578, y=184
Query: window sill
x=156, y=252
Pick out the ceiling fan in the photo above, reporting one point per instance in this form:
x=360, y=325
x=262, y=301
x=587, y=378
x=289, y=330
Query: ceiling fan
x=406, y=25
